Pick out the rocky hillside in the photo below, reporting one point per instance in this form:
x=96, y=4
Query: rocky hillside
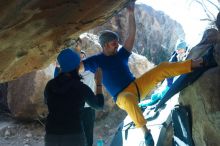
x=156, y=33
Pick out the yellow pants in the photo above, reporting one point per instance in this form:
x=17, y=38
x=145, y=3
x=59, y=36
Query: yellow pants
x=128, y=98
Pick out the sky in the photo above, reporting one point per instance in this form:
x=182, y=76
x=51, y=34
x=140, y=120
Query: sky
x=188, y=14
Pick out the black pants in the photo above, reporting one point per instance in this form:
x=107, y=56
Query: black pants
x=65, y=140
x=88, y=119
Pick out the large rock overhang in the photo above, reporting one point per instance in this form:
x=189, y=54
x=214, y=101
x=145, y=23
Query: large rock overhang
x=33, y=32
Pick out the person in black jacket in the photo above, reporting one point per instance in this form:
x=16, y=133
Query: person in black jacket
x=65, y=96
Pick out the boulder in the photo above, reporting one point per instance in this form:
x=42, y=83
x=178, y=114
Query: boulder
x=26, y=95
x=203, y=98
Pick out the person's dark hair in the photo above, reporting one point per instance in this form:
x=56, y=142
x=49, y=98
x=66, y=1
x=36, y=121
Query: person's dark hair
x=75, y=74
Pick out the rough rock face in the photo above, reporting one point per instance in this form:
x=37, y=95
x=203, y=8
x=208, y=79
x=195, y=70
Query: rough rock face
x=90, y=44
x=211, y=37
x=25, y=95
x=156, y=33
x=32, y=32
x=203, y=98
x=203, y=95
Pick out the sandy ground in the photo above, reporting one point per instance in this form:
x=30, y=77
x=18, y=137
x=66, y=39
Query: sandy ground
x=17, y=133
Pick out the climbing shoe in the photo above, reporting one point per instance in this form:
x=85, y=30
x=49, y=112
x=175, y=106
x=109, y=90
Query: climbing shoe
x=149, y=141
x=208, y=59
x=154, y=99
